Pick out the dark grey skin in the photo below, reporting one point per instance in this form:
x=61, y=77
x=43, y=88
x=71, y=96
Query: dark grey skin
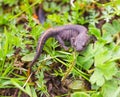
x=41, y=14
x=76, y=34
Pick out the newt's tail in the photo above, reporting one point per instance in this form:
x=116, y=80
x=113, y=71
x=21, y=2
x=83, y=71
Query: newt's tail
x=41, y=43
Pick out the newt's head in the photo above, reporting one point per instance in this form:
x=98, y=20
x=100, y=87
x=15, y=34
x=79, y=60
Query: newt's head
x=81, y=41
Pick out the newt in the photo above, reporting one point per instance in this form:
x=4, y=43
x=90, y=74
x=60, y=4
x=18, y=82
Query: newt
x=75, y=34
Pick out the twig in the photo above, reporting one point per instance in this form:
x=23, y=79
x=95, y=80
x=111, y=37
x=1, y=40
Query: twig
x=27, y=80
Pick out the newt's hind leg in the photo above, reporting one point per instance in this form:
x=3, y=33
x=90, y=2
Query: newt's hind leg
x=60, y=40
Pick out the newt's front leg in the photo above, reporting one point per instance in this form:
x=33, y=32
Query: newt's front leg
x=60, y=40
x=72, y=42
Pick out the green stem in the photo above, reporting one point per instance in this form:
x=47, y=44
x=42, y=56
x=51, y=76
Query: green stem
x=38, y=1
x=75, y=69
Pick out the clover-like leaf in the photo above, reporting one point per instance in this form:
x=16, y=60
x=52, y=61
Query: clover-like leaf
x=86, y=60
x=97, y=78
x=109, y=89
x=101, y=53
x=108, y=69
x=111, y=29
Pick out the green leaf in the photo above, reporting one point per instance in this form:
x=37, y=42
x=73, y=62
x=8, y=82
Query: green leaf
x=19, y=84
x=116, y=25
x=97, y=77
x=55, y=18
x=116, y=53
x=4, y=82
x=33, y=92
x=101, y=53
x=102, y=56
x=86, y=60
x=111, y=29
x=28, y=90
x=109, y=89
x=108, y=29
x=80, y=94
x=11, y=2
x=94, y=31
x=28, y=57
x=98, y=94
x=107, y=38
x=117, y=2
x=117, y=92
x=108, y=69
x=76, y=85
